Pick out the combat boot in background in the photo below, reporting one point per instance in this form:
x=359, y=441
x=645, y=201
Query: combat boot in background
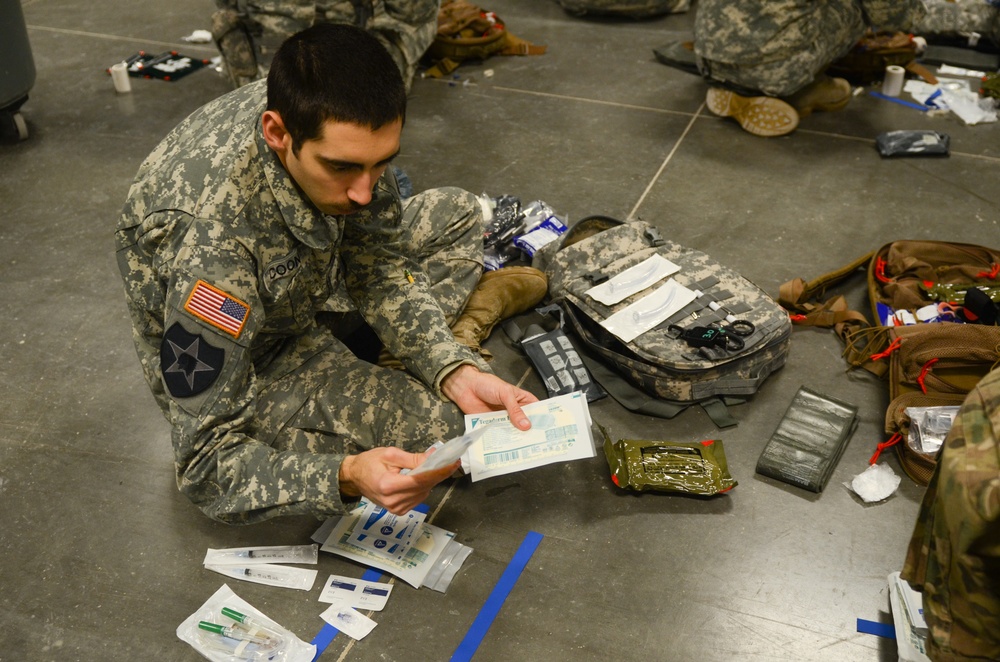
x=823, y=94
x=763, y=116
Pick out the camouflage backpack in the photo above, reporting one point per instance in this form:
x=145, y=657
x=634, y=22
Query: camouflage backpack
x=628, y=8
x=467, y=32
x=706, y=335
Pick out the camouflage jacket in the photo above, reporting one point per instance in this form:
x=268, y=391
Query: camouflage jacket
x=758, y=31
x=225, y=264
x=954, y=554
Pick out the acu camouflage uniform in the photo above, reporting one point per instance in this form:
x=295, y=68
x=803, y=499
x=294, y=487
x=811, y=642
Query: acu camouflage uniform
x=777, y=47
x=954, y=555
x=248, y=33
x=226, y=265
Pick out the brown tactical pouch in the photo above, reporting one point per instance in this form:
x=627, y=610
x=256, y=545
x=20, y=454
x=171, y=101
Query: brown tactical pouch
x=467, y=32
x=908, y=275
x=934, y=365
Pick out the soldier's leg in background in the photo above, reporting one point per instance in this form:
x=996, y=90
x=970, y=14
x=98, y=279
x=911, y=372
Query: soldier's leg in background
x=838, y=26
x=406, y=28
x=447, y=227
x=231, y=33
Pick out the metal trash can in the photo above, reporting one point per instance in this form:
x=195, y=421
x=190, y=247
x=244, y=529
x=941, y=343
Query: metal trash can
x=17, y=70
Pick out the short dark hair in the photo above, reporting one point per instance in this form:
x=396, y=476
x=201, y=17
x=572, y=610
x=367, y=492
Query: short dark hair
x=334, y=71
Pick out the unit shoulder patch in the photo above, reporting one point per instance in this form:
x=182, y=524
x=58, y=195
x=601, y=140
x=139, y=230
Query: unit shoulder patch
x=188, y=362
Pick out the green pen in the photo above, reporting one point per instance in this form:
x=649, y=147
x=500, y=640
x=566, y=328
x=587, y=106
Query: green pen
x=234, y=633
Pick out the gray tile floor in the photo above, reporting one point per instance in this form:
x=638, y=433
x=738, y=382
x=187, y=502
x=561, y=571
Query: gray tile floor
x=100, y=556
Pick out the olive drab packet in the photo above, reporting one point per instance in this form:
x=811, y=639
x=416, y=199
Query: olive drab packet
x=666, y=466
x=670, y=322
x=931, y=331
x=809, y=440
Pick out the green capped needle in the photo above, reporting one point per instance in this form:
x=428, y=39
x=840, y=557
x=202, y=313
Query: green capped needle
x=234, y=633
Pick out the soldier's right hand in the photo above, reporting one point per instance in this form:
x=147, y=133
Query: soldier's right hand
x=376, y=475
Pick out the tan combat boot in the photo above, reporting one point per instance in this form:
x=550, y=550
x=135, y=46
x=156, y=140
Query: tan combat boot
x=762, y=116
x=500, y=294
x=823, y=94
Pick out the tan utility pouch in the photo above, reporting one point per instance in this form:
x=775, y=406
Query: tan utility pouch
x=927, y=364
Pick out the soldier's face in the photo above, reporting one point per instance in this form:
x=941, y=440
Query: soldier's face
x=338, y=170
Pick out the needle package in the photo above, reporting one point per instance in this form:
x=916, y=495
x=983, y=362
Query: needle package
x=228, y=629
x=258, y=555
x=270, y=574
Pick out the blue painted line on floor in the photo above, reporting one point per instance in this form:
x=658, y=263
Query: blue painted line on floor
x=884, y=630
x=490, y=609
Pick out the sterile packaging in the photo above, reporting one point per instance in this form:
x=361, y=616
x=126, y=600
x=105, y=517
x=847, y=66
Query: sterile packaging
x=268, y=573
x=258, y=555
x=228, y=629
x=546, y=232
x=929, y=426
x=665, y=466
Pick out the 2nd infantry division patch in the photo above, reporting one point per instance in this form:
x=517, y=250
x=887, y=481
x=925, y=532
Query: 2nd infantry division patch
x=188, y=362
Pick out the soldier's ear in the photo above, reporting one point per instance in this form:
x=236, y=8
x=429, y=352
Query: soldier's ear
x=275, y=134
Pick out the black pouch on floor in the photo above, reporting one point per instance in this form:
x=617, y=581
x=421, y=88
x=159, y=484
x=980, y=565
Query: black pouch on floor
x=912, y=143
x=809, y=440
x=555, y=358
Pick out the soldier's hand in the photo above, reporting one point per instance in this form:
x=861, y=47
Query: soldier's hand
x=476, y=392
x=375, y=475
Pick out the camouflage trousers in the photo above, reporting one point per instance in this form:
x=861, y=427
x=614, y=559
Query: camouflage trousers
x=248, y=33
x=793, y=53
x=954, y=555
x=630, y=8
x=953, y=18
x=334, y=402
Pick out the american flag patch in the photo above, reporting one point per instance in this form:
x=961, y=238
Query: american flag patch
x=217, y=308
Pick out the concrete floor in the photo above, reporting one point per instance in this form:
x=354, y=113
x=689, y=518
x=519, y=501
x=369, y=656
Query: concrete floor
x=100, y=556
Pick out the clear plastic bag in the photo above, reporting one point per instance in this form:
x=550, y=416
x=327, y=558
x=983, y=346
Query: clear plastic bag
x=929, y=426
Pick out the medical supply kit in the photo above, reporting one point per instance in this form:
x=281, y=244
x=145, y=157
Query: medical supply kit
x=934, y=337
x=666, y=321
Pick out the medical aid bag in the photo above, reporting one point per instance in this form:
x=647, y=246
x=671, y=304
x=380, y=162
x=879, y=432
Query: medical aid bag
x=666, y=319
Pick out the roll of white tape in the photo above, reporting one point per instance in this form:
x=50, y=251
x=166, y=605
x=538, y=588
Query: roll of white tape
x=892, y=84
x=119, y=76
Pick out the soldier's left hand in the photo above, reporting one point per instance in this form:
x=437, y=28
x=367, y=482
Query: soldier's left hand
x=476, y=392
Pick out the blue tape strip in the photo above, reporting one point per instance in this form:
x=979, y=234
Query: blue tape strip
x=490, y=609
x=884, y=630
x=902, y=102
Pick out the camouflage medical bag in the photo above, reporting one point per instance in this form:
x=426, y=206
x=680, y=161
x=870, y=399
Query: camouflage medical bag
x=716, y=348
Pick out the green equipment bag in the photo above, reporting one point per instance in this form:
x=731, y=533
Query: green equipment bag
x=714, y=350
x=919, y=343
